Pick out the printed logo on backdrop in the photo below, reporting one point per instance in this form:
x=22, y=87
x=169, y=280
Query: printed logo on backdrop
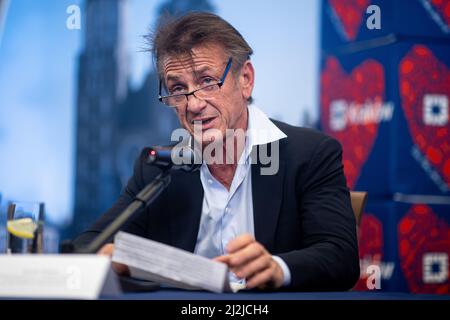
x=353, y=106
x=435, y=110
x=439, y=12
x=348, y=16
x=424, y=249
x=343, y=113
x=371, y=250
x=425, y=94
x=435, y=267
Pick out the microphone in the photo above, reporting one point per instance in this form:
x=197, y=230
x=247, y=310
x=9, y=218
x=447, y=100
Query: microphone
x=167, y=158
x=174, y=157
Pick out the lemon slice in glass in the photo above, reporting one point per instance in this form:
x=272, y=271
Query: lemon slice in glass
x=22, y=228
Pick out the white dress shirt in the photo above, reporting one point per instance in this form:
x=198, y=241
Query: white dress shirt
x=227, y=214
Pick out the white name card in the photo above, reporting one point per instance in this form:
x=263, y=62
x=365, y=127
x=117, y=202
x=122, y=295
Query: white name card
x=69, y=276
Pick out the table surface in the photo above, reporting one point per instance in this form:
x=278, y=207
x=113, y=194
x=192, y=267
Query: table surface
x=177, y=294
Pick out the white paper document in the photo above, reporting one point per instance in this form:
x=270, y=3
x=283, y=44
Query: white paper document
x=168, y=265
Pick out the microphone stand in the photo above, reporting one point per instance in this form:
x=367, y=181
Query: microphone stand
x=142, y=200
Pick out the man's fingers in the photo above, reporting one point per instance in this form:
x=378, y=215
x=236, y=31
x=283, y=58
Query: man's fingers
x=245, y=255
x=255, y=266
x=248, y=259
x=260, y=279
x=107, y=249
x=239, y=242
x=224, y=258
x=120, y=269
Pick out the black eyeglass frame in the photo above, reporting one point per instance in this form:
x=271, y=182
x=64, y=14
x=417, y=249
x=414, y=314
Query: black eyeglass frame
x=219, y=83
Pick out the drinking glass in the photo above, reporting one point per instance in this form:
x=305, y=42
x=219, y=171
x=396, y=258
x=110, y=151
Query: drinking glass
x=24, y=225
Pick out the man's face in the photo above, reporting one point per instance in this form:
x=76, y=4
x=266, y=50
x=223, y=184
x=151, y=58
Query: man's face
x=225, y=109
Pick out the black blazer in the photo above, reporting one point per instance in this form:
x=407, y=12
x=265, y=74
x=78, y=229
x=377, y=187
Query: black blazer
x=302, y=214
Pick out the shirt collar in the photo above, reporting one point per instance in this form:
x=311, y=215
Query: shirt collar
x=260, y=129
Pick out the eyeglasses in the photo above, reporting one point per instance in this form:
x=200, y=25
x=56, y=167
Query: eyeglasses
x=180, y=99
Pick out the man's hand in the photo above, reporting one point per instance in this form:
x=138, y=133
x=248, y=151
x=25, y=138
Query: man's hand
x=120, y=269
x=248, y=259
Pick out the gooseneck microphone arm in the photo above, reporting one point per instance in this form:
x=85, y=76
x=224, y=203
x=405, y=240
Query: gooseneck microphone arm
x=142, y=200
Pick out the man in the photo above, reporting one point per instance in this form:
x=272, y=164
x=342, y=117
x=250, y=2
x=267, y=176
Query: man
x=293, y=228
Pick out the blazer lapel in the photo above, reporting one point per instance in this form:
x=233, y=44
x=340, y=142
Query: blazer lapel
x=185, y=207
x=267, y=192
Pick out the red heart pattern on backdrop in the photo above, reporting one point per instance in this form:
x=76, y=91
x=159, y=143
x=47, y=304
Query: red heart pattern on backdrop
x=442, y=7
x=421, y=233
x=370, y=244
x=365, y=83
x=424, y=85
x=350, y=14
